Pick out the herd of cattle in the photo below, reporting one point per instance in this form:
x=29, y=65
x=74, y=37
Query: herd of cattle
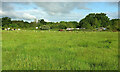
x=67, y=29
x=10, y=29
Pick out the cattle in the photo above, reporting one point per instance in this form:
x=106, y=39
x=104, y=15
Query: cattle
x=8, y=28
x=12, y=29
x=15, y=29
x=101, y=29
x=18, y=29
x=36, y=27
x=3, y=28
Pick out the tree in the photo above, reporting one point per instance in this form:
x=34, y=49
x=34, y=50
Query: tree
x=104, y=19
x=13, y=25
x=26, y=25
x=96, y=23
x=62, y=26
x=42, y=22
x=115, y=24
x=95, y=20
x=6, y=21
x=86, y=25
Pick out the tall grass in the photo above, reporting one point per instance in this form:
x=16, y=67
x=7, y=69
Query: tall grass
x=54, y=50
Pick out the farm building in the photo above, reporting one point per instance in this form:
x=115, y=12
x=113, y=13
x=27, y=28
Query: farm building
x=101, y=29
x=77, y=28
x=82, y=28
x=61, y=30
x=70, y=29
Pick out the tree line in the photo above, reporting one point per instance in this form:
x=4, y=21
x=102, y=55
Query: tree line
x=90, y=22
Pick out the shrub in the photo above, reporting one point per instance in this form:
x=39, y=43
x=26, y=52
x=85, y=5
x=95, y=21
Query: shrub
x=45, y=27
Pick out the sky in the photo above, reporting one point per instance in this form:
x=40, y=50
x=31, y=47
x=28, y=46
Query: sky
x=56, y=11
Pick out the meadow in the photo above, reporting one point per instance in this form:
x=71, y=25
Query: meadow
x=54, y=50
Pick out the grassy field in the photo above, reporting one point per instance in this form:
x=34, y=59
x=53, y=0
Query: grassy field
x=44, y=50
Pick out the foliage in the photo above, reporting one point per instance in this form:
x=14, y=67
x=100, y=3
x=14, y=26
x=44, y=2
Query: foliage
x=44, y=27
x=114, y=25
x=6, y=21
x=94, y=21
x=42, y=22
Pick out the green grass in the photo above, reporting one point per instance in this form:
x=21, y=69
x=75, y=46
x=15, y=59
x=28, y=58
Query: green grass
x=30, y=50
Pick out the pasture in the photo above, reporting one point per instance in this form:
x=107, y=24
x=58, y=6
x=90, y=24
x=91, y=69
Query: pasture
x=49, y=50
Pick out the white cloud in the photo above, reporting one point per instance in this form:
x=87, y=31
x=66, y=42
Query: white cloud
x=1, y=13
x=28, y=16
x=47, y=20
x=60, y=0
x=8, y=9
x=17, y=15
x=112, y=15
x=51, y=11
x=6, y=6
x=67, y=17
x=57, y=8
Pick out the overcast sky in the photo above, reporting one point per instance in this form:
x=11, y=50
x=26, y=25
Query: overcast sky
x=57, y=11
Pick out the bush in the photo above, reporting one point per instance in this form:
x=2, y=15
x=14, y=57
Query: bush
x=45, y=27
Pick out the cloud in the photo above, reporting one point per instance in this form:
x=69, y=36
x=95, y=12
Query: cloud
x=8, y=9
x=50, y=11
x=58, y=8
x=6, y=6
x=17, y=15
x=28, y=16
x=60, y=0
x=112, y=15
x=0, y=5
x=1, y=12
x=67, y=17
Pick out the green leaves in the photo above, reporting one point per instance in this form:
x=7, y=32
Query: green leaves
x=94, y=21
x=6, y=21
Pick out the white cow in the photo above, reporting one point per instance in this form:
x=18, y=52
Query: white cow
x=15, y=29
x=18, y=29
x=36, y=27
x=5, y=29
x=12, y=29
x=69, y=29
x=8, y=28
